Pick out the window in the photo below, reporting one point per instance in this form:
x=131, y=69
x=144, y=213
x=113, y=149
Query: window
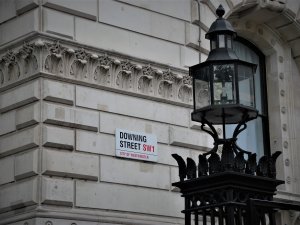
x=256, y=137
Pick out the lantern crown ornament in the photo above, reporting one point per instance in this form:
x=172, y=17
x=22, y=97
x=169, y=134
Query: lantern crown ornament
x=221, y=35
x=220, y=25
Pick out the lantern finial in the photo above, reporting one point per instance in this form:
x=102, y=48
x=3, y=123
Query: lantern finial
x=220, y=11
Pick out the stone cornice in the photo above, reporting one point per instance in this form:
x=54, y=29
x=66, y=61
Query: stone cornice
x=77, y=63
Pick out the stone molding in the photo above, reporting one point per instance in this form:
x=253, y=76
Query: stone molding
x=98, y=68
x=45, y=215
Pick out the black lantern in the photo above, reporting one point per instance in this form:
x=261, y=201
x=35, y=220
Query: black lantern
x=223, y=85
x=225, y=187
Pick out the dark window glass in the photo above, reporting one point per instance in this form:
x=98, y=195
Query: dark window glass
x=256, y=137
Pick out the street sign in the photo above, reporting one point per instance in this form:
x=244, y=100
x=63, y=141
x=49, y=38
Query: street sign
x=136, y=145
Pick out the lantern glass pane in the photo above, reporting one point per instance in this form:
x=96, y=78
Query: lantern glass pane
x=202, y=88
x=223, y=84
x=229, y=42
x=213, y=44
x=222, y=41
x=247, y=54
x=246, y=86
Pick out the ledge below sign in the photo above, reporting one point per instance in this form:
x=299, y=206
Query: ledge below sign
x=136, y=145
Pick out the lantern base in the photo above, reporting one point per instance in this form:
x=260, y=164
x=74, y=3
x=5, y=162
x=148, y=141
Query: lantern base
x=229, y=198
x=224, y=114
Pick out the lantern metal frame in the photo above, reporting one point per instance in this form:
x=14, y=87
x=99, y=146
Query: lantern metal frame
x=195, y=70
x=222, y=56
x=233, y=112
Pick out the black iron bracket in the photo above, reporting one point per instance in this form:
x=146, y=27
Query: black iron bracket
x=241, y=126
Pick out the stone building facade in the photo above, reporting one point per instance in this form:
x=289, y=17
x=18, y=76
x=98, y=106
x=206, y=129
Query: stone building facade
x=74, y=71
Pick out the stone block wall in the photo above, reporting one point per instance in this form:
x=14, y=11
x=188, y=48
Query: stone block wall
x=19, y=144
x=58, y=148
x=58, y=142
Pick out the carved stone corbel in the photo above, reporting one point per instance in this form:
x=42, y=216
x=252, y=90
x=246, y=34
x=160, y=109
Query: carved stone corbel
x=145, y=80
x=185, y=92
x=79, y=66
x=166, y=84
x=54, y=62
x=68, y=58
x=124, y=76
x=102, y=72
x=28, y=60
x=10, y=67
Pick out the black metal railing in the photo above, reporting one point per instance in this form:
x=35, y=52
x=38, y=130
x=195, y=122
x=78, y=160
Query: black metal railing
x=261, y=210
x=254, y=212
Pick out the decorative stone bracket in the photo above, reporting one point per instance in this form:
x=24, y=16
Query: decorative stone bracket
x=107, y=70
x=273, y=5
